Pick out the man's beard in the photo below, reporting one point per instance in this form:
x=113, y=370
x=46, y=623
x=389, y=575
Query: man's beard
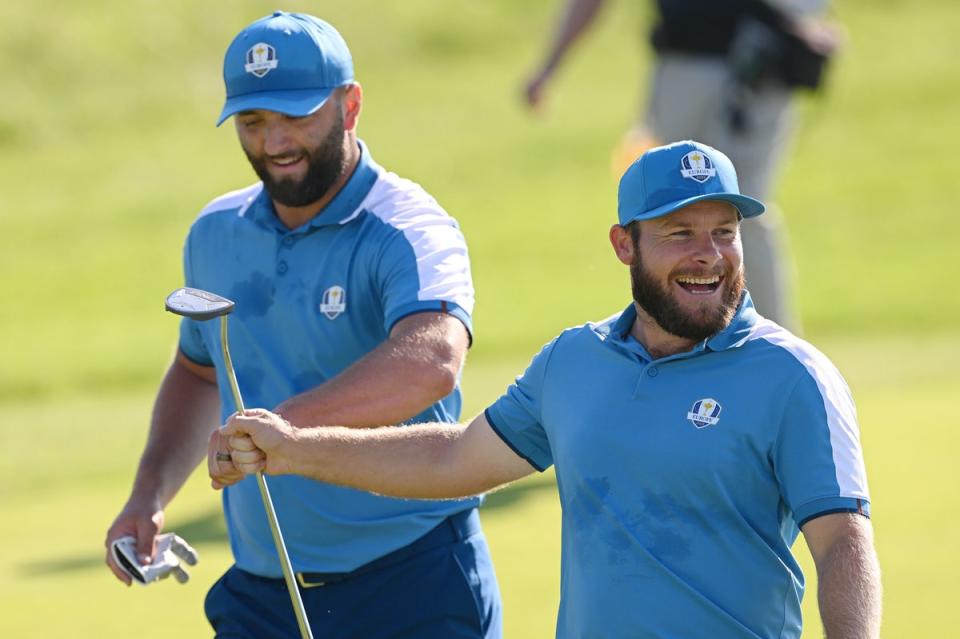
x=325, y=164
x=696, y=325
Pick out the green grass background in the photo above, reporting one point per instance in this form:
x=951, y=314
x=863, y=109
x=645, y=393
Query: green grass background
x=107, y=151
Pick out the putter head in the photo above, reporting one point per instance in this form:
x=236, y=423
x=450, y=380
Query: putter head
x=198, y=304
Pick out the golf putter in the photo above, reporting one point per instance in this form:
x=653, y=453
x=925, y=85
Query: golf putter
x=202, y=306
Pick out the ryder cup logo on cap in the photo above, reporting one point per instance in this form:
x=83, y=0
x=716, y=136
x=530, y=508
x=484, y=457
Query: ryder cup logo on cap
x=286, y=62
x=667, y=178
x=261, y=58
x=697, y=166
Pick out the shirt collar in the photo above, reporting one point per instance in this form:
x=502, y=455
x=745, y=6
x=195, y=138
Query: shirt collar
x=736, y=333
x=338, y=210
x=616, y=331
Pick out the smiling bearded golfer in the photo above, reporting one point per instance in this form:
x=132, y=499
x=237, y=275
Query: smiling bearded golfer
x=692, y=438
x=353, y=306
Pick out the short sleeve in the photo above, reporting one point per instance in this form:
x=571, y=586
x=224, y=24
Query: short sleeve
x=424, y=266
x=191, y=339
x=516, y=416
x=818, y=457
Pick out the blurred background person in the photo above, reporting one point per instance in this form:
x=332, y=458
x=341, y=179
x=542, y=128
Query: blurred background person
x=725, y=72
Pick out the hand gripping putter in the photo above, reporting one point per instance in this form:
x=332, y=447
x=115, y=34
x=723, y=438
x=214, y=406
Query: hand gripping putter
x=202, y=306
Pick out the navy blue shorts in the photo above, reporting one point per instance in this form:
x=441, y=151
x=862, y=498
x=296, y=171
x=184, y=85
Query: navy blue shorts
x=441, y=586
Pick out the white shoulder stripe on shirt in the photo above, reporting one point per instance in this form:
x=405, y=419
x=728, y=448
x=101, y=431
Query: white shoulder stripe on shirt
x=443, y=264
x=837, y=402
x=241, y=199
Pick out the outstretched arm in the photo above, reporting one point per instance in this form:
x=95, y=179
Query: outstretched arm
x=425, y=461
x=577, y=17
x=849, y=592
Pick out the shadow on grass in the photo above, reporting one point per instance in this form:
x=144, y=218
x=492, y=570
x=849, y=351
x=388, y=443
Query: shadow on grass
x=205, y=529
x=209, y=528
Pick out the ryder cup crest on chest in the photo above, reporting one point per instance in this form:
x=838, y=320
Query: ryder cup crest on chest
x=705, y=412
x=334, y=302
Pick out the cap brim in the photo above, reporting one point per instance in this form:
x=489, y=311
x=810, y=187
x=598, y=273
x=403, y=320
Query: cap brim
x=747, y=206
x=297, y=103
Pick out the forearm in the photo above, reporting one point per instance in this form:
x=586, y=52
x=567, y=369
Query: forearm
x=413, y=462
x=426, y=461
x=849, y=591
x=399, y=379
x=184, y=414
x=374, y=391
x=577, y=17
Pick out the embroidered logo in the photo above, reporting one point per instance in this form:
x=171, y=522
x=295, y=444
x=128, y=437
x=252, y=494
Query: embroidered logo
x=705, y=412
x=261, y=59
x=334, y=302
x=697, y=166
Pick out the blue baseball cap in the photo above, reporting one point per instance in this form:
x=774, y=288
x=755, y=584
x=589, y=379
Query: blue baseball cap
x=285, y=62
x=667, y=178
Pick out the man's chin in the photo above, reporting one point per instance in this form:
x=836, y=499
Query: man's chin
x=291, y=176
x=287, y=192
x=698, y=307
x=700, y=319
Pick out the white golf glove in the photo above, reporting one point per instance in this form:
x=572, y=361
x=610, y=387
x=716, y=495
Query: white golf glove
x=171, y=550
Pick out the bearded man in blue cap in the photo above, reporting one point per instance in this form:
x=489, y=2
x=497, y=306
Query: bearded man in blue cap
x=692, y=438
x=353, y=303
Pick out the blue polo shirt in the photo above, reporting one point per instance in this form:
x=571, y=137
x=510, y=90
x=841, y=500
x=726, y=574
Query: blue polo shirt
x=683, y=480
x=310, y=302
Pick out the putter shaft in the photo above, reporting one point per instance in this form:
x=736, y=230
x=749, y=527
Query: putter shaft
x=284, y=556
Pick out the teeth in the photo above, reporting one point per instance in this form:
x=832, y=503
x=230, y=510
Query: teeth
x=699, y=280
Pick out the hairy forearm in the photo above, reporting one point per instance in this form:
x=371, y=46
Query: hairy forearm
x=380, y=389
x=413, y=461
x=577, y=17
x=396, y=381
x=184, y=414
x=849, y=592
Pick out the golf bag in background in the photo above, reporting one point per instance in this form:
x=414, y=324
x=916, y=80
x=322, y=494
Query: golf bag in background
x=768, y=48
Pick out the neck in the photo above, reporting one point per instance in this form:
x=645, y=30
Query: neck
x=658, y=342
x=296, y=216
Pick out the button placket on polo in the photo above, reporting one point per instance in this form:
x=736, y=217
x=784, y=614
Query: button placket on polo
x=284, y=246
x=648, y=375
x=651, y=370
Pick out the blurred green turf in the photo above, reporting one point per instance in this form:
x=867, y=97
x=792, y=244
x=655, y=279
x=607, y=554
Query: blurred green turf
x=108, y=150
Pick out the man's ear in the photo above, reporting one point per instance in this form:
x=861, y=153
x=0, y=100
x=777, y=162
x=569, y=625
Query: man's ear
x=622, y=243
x=352, y=105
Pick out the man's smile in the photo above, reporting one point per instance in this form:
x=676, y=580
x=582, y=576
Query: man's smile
x=699, y=284
x=286, y=163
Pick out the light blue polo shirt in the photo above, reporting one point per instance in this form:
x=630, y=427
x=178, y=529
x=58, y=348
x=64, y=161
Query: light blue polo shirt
x=683, y=479
x=309, y=303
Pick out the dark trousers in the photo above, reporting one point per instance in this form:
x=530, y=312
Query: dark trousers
x=440, y=586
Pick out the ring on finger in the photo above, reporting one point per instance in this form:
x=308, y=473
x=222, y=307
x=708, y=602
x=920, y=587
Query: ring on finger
x=223, y=457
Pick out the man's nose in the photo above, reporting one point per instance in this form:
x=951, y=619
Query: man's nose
x=706, y=249
x=277, y=139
